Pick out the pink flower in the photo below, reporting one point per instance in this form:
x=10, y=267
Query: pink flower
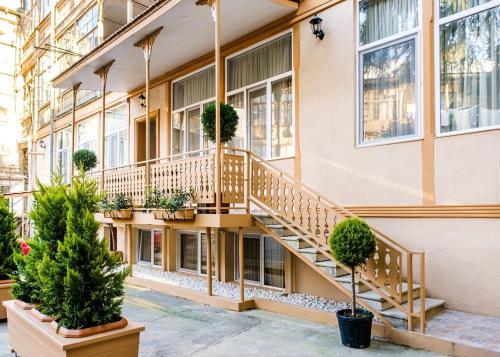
x=25, y=248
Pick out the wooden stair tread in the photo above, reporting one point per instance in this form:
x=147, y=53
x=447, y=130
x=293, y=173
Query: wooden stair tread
x=372, y=295
x=398, y=314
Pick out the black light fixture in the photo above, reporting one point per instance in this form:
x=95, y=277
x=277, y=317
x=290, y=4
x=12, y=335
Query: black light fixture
x=316, y=27
x=142, y=100
x=42, y=144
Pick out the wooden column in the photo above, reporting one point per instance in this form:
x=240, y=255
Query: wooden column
x=217, y=254
x=209, y=260
x=73, y=126
x=289, y=272
x=128, y=237
x=103, y=74
x=218, y=100
x=147, y=46
x=171, y=250
x=241, y=260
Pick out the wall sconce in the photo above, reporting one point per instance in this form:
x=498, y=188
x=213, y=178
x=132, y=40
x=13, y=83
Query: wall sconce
x=142, y=101
x=42, y=144
x=316, y=27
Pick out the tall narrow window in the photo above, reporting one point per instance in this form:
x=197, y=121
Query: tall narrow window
x=189, y=251
x=149, y=246
x=145, y=246
x=63, y=154
x=204, y=253
x=388, y=73
x=469, y=65
x=87, y=133
x=274, y=263
x=116, y=140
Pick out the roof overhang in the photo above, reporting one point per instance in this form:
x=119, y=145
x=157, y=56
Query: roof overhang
x=187, y=34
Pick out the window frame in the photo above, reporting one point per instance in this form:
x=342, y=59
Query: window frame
x=66, y=151
x=389, y=41
x=267, y=83
x=118, y=132
x=198, y=256
x=438, y=22
x=78, y=144
x=138, y=248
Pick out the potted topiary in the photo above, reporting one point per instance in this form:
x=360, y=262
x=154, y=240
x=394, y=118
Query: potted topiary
x=174, y=208
x=85, y=160
x=352, y=242
x=118, y=208
x=8, y=244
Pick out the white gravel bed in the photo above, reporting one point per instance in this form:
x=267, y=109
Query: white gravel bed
x=231, y=290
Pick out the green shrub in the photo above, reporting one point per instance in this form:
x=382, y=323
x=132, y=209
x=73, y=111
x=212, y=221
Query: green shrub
x=176, y=201
x=118, y=202
x=8, y=240
x=154, y=199
x=85, y=159
x=352, y=242
x=229, y=122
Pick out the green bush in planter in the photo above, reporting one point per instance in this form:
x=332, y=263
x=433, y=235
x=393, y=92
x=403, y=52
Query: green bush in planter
x=85, y=159
x=352, y=242
x=229, y=122
x=154, y=199
x=176, y=201
x=8, y=240
x=118, y=202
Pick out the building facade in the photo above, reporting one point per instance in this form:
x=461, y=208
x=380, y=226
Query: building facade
x=397, y=124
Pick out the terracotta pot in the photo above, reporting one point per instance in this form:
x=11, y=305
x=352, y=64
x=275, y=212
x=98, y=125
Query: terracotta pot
x=41, y=317
x=89, y=331
x=24, y=305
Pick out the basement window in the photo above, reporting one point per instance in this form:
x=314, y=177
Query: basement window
x=192, y=252
x=149, y=246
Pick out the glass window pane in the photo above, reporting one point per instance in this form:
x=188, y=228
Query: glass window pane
x=237, y=101
x=450, y=7
x=87, y=134
x=281, y=118
x=389, y=92
x=178, y=128
x=194, y=129
x=157, y=247
x=274, y=263
x=145, y=246
x=251, y=254
x=257, y=102
x=379, y=19
x=189, y=251
x=194, y=89
x=204, y=253
x=470, y=72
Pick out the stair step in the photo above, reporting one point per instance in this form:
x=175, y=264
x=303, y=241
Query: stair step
x=312, y=254
x=346, y=281
x=295, y=242
x=264, y=218
x=280, y=230
x=400, y=320
x=332, y=268
x=380, y=303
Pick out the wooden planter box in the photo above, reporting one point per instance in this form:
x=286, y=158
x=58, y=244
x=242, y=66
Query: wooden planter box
x=4, y=296
x=29, y=337
x=119, y=214
x=186, y=214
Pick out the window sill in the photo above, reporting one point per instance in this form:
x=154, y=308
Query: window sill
x=468, y=131
x=390, y=142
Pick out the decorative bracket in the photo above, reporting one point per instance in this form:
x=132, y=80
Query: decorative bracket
x=147, y=43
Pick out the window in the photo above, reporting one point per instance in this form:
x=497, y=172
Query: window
x=65, y=42
x=149, y=246
x=116, y=140
x=44, y=116
x=193, y=252
x=87, y=134
x=260, y=88
x=190, y=97
x=44, y=78
x=264, y=261
x=63, y=154
x=65, y=102
x=111, y=234
x=86, y=95
x=469, y=65
x=86, y=29
x=388, y=70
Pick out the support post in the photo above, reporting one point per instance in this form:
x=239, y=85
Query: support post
x=147, y=47
x=218, y=100
x=241, y=260
x=73, y=125
x=209, y=260
x=128, y=237
x=217, y=254
x=103, y=74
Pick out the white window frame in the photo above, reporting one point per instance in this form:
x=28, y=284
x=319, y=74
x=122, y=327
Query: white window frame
x=261, y=283
x=117, y=132
x=268, y=84
x=185, y=109
x=198, y=259
x=438, y=21
x=79, y=144
x=66, y=150
x=415, y=34
x=152, y=231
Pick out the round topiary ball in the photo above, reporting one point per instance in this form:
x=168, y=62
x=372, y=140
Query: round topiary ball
x=85, y=159
x=229, y=122
x=352, y=242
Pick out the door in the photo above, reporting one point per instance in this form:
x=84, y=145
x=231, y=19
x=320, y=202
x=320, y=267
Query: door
x=140, y=139
x=257, y=120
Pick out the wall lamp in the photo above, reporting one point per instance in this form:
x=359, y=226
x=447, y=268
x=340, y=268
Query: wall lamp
x=142, y=101
x=42, y=144
x=316, y=27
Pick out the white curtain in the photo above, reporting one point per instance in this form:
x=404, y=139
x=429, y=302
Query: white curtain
x=266, y=61
x=379, y=19
x=194, y=89
x=450, y=7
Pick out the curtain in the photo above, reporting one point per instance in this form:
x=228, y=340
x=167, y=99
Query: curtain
x=257, y=102
x=450, y=7
x=145, y=246
x=470, y=72
x=189, y=251
x=178, y=128
x=274, y=263
x=237, y=101
x=157, y=235
x=281, y=118
x=379, y=19
x=194, y=89
x=389, y=92
x=204, y=253
x=266, y=61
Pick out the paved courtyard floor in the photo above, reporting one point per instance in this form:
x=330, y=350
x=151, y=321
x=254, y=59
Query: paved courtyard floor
x=178, y=327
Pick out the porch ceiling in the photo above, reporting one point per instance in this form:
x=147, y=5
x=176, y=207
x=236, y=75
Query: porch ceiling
x=188, y=33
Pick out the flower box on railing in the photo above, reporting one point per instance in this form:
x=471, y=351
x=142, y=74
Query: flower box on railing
x=186, y=214
x=119, y=214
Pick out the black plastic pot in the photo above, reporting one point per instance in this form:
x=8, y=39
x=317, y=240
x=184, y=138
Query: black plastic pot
x=356, y=332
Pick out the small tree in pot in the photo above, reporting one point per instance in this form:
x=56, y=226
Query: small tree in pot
x=228, y=118
x=85, y=160
x=352, y=242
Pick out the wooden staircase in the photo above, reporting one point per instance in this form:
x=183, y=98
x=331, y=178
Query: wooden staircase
x=341, y=278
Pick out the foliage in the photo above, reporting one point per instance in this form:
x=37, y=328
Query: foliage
x=154, y=199
x=229, y=122
x=176, y=201
x=85, y=159
x=352, y=242
x=118, y=202
x=8, y=240
x=83, y=283
x=49, y=216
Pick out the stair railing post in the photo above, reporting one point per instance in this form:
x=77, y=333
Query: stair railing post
x=249, y=182
x=409, y=263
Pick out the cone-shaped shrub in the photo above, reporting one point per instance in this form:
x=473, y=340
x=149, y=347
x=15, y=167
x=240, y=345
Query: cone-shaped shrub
x=83, y=284
x=49, y=216
x=8, y=239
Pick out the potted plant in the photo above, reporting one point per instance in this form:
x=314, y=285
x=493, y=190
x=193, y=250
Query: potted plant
x=85, y=160
x=8, y=243
x=82, y=285
x=174, y=207
x=352, y=242
x=118, y=208
x=154, y=199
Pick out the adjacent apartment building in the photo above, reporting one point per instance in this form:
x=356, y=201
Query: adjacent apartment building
x=387, y=109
